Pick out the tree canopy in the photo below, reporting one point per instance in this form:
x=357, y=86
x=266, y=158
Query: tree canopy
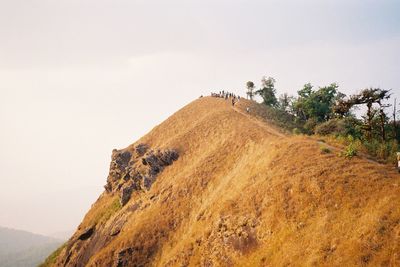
x=267, y=91
x=250, y=90
x=316, y=103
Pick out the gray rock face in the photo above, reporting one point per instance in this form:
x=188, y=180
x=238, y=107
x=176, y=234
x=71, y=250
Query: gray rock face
x=118, y=165
x=141, y=149
x=126, y=192
x=136, y=170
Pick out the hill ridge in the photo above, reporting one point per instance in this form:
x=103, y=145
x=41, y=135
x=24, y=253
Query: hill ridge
x=241, y=193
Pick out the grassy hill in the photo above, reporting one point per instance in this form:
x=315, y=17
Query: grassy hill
x=21, y=248
x=241, y=193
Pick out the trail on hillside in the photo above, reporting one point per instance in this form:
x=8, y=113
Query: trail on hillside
x=341, y=151
x=273, y=131
x=269, y=129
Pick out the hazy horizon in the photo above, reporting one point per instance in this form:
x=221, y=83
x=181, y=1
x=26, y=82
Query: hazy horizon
x=79, y=78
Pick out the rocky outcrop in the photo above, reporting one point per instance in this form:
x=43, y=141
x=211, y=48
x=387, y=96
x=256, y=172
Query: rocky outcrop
x=136, y=169
x=86, y=234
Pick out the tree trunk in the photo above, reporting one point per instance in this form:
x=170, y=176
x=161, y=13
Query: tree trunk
x=369, y=121
x=394, y=120
x=382, y=116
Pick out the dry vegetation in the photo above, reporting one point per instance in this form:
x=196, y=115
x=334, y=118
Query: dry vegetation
x=244, y=194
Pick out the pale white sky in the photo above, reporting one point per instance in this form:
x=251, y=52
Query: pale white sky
x=81, y=77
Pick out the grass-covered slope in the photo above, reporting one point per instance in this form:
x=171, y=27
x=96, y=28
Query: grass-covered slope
x=242, y=193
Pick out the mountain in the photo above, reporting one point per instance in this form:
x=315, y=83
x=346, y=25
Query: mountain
x=215, y=185
x=21, y=248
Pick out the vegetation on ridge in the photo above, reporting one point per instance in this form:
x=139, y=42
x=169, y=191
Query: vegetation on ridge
x=325, y=111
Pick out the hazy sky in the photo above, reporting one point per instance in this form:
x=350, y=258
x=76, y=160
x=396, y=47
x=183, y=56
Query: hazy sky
x=81, y=77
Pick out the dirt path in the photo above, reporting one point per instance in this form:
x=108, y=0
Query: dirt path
x=359, y=154
x=277, y=133
x=269, y=129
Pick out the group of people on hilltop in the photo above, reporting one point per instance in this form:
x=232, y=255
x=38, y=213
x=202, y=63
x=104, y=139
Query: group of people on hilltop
x=227, y=95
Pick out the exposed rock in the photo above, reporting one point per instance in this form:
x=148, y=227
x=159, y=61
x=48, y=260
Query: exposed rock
x=136, y=171
x=169, y=156
x=147, y=182
x=126, y=192
x=141, y=149
x=123, y=256
x=118, y=224
x=86, y=234
x=119, y=163
x=157, y=161
x=123, y=159
x=108, y=187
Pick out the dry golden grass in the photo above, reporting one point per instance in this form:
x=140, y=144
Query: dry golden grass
x=244, y=194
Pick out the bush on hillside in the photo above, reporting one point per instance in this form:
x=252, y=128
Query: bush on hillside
x=325, y=150
x=382, y=150
x=350, y=151
x=296, y=131
x=276, y=116
x=339, y=127
x=310, y=125
x=331, y=127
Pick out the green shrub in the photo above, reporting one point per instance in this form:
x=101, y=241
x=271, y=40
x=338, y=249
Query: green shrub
x=339, y=127
x=325, y=150
x=385, y=151
x=296, y=131
x=350, y=151
x=310, y=125
x=331, y=127
x=371, y=146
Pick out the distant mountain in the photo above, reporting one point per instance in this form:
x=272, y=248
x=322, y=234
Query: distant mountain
x=63, y=235
x=24, y=249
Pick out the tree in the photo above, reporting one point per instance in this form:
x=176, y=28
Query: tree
x=300, y=106
x=383, y=95
x=371, y=96
x=394, y=120
x=342, y=108
x=284, y=102
x=316, y=104
x=250, y=90
x=267, y=91
x=325, y=97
